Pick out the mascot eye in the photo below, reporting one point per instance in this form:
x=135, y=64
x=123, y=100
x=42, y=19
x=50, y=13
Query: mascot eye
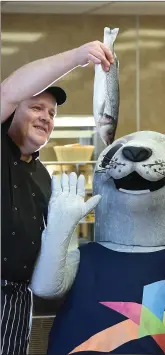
x=110, y=154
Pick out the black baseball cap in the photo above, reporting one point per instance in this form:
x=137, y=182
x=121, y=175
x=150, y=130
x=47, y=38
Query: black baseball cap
x=58, y=93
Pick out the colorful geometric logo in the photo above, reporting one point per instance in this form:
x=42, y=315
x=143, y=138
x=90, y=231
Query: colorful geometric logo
x=144, y=319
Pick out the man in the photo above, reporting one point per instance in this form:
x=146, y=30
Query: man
x=28, y=120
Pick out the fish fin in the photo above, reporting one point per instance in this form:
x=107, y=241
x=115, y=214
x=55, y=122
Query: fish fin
x=117, y=63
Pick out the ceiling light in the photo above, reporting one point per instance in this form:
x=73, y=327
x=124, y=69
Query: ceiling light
x=148, y=32
x=9, y=50
x=74, y=121
x=20, y=36
x=72, y=134
x=131, y=45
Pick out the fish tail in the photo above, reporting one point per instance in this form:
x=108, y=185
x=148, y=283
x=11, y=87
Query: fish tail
x=110, y=36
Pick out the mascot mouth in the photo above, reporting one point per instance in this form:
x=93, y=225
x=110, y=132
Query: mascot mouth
x=136, y=184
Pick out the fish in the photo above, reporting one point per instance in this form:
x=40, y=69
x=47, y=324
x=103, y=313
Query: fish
x=106, y=95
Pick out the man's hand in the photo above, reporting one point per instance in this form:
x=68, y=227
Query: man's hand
x=96, y=52
x=67, y=206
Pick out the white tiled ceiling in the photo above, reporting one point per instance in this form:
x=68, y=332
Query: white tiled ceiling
x=85, y=7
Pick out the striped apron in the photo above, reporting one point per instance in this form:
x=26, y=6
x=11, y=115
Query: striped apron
x=16, y=318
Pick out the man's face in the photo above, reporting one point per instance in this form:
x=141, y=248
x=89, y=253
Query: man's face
x=33, y=122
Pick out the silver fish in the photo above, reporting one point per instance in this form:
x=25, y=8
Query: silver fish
x=106, y=93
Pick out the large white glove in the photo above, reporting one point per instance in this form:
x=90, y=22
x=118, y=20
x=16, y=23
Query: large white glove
x=56, y=267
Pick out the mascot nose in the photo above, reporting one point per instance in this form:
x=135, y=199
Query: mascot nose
x=136, y=154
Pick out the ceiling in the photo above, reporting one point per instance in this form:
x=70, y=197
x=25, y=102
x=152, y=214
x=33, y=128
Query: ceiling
x=85, y=7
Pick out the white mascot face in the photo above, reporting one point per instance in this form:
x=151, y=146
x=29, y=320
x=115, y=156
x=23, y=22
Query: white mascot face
x=130, y=177
x=136, y=163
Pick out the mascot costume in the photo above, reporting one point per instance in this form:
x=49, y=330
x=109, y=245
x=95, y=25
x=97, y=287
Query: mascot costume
x=114, y=287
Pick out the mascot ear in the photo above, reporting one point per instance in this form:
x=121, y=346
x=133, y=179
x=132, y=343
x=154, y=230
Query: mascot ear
x=106, y=93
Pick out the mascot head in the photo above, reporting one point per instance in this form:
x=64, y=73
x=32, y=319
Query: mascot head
x=130, y=177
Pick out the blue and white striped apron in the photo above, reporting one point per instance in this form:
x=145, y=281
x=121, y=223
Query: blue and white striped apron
x=16, y=318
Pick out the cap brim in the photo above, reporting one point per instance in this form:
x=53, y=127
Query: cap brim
x=58, y=93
